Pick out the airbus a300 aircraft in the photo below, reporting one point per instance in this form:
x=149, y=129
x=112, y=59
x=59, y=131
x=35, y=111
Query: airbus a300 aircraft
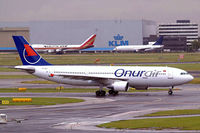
x=115, y=78
x=138, y=48
x=88, y=43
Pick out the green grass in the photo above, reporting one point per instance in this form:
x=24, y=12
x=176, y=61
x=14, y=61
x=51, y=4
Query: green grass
x=4, y=69
x=17, y=77
x=121, y=58
x=149, y=90
x=67, y=90
x=108, y=58
x=39, y=82
x=130, y=90
x=42, y=101
x=183, y=123
x=48, y=90
x=111, y=58
x=195, y=81
x=174, y=113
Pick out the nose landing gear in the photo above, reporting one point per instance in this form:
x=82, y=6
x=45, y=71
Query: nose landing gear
x=170, y=92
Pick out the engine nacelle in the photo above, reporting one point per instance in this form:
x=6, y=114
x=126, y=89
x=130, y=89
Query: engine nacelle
x=119, y=86
x=50, y=51
x=58, y=50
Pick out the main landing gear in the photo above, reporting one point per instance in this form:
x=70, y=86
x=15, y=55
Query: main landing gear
x=170, y=92
x=113, y=92
x=100, y=92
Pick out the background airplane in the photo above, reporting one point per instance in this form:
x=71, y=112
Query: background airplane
x=115, y=78
x=62, y=48
x=138, y=48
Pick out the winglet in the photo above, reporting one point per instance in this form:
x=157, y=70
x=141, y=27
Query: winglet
x=89, y=42
x=27, y=54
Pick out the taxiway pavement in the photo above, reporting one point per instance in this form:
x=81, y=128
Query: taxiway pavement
x=82, y=117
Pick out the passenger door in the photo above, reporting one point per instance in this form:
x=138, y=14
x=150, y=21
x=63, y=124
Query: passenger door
x=170, y=75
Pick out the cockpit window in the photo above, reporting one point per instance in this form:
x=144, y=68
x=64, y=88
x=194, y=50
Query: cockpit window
x=184, y=73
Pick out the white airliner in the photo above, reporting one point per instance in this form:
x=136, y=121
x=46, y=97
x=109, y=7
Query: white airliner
x=137, y=48
x=115, y=78
x=88, y=43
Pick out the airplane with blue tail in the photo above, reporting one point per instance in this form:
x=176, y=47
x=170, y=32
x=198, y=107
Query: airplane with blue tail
x=114, y=78
x=138, y=48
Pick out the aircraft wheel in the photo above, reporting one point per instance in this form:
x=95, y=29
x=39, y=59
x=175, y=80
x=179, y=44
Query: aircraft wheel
x=116, y=93
x=170, y=92
x=113, y=92
x=100, y=93
x=103, y=93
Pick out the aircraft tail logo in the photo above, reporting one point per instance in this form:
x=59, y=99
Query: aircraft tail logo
x=27, y=54
x=29, y=50
x=89, y=42
x=159, y=41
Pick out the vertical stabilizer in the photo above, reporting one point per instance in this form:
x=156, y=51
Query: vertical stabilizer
x=27, y=54
x=89, y=42
x=159, y=41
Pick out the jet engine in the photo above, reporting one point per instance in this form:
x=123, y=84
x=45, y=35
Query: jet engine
x=119, y=86
x=50, y=51
x=59, y=51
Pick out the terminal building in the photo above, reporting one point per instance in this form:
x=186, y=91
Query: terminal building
x=179, y=32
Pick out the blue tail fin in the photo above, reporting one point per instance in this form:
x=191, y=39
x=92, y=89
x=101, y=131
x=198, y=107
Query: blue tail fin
x=27, y=54
x=159, y=41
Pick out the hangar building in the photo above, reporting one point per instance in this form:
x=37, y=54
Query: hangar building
x=6, y=34
x=110, y=33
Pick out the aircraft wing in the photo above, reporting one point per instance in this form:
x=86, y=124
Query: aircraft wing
x=100, y=79
x=86, y=77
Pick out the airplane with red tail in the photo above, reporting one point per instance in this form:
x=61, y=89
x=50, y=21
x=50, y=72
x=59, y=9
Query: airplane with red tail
x=88, y=43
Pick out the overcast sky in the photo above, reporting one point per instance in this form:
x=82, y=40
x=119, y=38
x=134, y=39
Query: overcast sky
x=157, y=10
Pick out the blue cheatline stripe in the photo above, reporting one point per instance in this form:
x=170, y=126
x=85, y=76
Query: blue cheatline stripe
x=98, y=49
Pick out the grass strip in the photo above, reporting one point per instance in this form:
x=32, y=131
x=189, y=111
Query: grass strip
x=48, y=90
x=182, y=123
x=17, y=77
x=110, y=58
x=130, y=90
x=39, y=82
x=149, y=90
x=42, y=101
x=4, y=69
x=195, y=81
x=68, y=90
x=174, y=113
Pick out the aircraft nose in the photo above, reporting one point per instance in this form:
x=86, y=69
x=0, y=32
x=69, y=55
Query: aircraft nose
x=190, y=78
